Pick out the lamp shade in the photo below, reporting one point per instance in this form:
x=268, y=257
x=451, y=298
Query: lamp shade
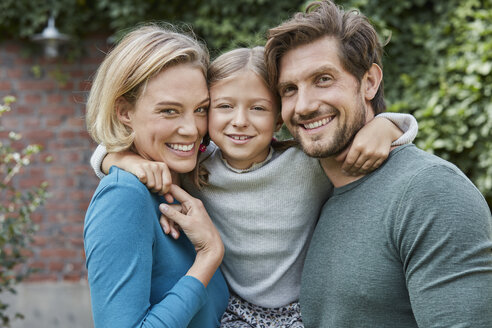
x=51, y=38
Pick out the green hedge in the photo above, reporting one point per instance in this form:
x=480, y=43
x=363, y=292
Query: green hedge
x=223, y=24
x=437, y=66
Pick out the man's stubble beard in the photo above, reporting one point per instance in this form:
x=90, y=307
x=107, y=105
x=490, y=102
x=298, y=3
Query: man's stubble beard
x=343, y=137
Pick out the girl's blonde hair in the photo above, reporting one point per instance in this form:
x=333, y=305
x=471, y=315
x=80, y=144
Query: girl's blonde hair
x=236, y=60
x=230, y=63
x=125, y=71
x=252, y=59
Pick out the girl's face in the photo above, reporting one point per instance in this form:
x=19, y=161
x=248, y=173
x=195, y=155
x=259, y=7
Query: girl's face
x=169, y=118
x=242, y=119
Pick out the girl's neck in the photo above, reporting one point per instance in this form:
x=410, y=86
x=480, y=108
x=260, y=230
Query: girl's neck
x=250, y=166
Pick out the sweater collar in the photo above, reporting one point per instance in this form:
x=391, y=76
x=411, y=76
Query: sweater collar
x=252, y=167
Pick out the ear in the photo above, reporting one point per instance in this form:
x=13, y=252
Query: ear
x=371, y=81
x=123, y=110
x=279, y=123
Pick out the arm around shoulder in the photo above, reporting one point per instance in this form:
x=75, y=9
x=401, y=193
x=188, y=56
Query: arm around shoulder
x=97, y=159
x=406, y=122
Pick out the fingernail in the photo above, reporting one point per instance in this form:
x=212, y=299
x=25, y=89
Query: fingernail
x=163, y=207
x=175, y=235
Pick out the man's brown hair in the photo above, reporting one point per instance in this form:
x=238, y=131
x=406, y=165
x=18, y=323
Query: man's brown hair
x=358, y=41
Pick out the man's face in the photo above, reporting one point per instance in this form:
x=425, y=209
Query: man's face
x=322, y=104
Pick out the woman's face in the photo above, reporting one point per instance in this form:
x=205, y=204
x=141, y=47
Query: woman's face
x=169, y=118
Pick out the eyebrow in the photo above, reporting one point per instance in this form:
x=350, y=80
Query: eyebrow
x=320, y=70
x=177, y=104
x=281, y=85
x=231, y=98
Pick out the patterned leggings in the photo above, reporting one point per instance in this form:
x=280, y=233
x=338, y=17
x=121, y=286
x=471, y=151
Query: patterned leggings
x=242, y=314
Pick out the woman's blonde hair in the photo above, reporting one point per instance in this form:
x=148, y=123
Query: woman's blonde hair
x=125, y=71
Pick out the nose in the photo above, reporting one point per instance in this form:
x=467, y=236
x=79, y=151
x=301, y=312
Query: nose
x=188, y=126
x=240, y=118
x=305, y=102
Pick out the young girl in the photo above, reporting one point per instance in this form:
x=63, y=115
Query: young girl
x=264, y=197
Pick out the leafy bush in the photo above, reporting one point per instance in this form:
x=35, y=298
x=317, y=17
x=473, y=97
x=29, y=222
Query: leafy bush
x=223, y=24
x=438, y=63
x=438, y=67
x=16, y=206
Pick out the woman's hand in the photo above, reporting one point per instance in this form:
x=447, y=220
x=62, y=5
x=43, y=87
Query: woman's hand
x=155, y=175
x=370, y=147
x=196, y=224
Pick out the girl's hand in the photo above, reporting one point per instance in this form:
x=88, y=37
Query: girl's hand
x=155, y=175
x=196, y=224
x=370, y=147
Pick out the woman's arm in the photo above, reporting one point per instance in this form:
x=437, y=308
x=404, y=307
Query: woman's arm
x=200, y=230
x=372, y=144
x=120, y=264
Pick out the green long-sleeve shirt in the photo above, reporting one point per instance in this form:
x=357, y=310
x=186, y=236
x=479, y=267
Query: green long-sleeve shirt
x=409, y=245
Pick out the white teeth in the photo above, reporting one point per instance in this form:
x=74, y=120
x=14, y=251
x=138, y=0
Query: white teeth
x=317, y=124
x=181, y=147
x=239, y=137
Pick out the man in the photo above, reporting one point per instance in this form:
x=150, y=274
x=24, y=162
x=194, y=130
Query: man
x=409, y=245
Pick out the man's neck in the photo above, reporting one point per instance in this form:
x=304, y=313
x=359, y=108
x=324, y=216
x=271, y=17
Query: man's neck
x=334, y=172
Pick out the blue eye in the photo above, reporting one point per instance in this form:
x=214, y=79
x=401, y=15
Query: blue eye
x=257, y=108
x=224, y=106
x=324, y=79
x=201, y=110
x=287, y=91
x=169, y=111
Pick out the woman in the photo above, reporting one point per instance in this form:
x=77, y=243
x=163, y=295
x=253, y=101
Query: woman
x=150, y=95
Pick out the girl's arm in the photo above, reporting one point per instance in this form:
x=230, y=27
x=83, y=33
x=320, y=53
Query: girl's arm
x=372, y=144
x=370, y=148
x=155, y=175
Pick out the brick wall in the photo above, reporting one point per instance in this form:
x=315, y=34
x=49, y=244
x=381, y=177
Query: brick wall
x=50, y=111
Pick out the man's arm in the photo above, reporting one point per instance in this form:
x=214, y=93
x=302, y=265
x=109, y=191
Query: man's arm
x=445, y=243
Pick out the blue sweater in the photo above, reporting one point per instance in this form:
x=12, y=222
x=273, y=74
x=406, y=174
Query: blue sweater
x=136, y=273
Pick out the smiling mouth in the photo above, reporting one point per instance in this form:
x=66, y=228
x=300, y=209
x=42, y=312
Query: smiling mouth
x=181, y=147
x=239, y=137
x=317, y=124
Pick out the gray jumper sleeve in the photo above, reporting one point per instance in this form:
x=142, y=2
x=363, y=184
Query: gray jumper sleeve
x=406, y=122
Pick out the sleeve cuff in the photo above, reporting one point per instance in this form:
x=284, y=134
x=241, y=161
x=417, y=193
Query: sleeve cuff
x=407, y=123
x=97, y=159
